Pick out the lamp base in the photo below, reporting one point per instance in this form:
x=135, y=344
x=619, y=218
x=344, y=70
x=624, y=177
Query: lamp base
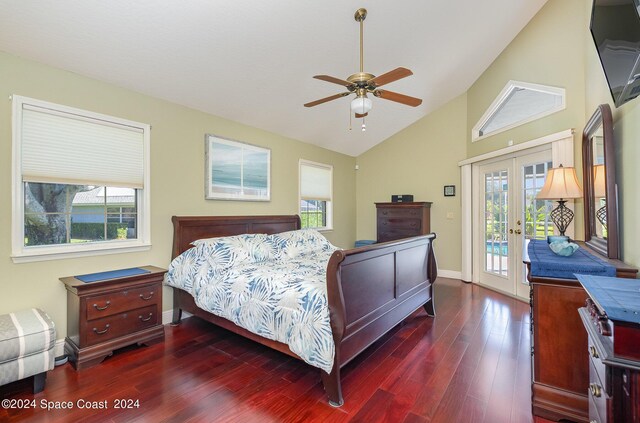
x=561, y=216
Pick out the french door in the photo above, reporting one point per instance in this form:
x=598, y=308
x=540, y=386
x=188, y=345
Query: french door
x=508, y=216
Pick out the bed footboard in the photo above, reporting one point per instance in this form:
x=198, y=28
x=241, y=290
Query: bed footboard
x=372, y=289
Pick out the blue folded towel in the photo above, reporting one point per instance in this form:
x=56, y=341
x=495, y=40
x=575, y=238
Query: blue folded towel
x=121, y=273
x=545, y=263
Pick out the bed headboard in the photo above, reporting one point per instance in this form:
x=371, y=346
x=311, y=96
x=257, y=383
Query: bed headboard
x=187, y=229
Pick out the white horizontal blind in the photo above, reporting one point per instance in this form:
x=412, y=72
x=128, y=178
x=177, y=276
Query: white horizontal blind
x=60, y=147
x=315, y=181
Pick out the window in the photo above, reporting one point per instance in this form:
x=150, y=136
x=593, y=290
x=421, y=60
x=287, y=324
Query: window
x=316, y=187
x=537, y=224
x=517, y=104
x=80, y=182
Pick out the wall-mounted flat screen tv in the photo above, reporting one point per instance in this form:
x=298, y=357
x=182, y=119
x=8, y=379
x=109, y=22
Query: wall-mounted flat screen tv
x=615, y=27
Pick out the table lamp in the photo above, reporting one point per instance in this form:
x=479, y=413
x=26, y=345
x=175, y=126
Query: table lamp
x=561, y=185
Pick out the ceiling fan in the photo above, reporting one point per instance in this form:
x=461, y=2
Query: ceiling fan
x=362, y=83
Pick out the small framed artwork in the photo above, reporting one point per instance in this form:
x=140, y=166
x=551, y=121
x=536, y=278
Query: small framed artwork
x=236, y=171
x=449, y=190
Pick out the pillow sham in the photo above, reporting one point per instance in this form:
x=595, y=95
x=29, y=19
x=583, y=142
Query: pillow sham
x=293, y=244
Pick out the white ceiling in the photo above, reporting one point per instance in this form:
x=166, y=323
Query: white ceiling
x=252, y=61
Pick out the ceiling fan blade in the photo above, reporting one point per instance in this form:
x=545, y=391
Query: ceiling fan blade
x=333, y=80
x=390, y=76
x=324, y=100
x=358, y=115
x=398, y=98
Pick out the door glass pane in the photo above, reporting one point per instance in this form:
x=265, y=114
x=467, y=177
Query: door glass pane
x=496, y=219
x=537, y=224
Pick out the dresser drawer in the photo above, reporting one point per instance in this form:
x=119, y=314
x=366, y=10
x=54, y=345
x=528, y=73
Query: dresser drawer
x=391, y=223
x=598, y=397
x=599, y=367
x=400, y=212
x=110, y=327
x=122, y=300
x=393, y=234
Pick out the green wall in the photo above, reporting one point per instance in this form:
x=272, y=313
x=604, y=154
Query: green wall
x=626, y=129
x=548, y=51
x=177, y=178
x=555, y=49
x=419, y=160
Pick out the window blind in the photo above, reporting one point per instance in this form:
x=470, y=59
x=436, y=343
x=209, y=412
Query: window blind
x=60, y=147
x=315, y=182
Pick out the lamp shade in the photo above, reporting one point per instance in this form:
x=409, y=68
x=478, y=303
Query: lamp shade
x=361, y=105
x=599, y=185
x=561, y=183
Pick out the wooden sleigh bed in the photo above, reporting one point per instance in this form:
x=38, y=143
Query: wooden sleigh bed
x=370, y=289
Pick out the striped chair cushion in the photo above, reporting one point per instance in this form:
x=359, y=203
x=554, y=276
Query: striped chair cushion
x=25, y=333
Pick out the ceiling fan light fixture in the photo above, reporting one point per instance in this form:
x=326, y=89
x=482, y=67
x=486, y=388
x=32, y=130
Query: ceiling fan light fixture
x=361, y=105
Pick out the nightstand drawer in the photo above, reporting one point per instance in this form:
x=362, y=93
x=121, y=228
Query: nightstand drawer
x=122, y=300
x=121, y=324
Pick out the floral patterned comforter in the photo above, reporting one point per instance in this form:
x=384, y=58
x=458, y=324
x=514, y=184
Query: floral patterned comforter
x=272, y=285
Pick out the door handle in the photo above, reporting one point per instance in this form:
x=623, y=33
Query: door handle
x=517, y=232
x=510, y=231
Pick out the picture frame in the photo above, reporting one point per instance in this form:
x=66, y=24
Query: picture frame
x=235, y=170
x=449, y=190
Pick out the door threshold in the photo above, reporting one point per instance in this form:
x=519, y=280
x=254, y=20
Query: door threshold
x=505, y=293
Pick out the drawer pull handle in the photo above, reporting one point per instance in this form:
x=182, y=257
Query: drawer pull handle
x=106, y=306
x=100, y=332
x=146, y=298
x=593, y=352
x=142, y=319
x=595, y=390
x=603, y=327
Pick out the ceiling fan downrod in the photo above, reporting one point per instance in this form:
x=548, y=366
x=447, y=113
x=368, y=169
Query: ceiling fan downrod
x=360, y=16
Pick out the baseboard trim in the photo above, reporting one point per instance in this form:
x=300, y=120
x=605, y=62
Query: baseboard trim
x=167, y=316
x=58, y=348
x=451, y=274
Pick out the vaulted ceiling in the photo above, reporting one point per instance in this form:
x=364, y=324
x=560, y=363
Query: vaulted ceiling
x=252, y=61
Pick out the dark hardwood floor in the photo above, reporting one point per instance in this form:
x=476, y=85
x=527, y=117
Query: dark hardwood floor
x=469, y=364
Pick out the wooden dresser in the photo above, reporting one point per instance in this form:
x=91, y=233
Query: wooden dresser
x=402, y=220
x=611, y=318
x=560, y=369
x=109, y=314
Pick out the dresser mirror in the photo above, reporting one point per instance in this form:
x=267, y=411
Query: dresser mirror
x=599, y=179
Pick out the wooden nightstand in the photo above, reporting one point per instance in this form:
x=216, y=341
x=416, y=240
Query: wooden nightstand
x=109, y=314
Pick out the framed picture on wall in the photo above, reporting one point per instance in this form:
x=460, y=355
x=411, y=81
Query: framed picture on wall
x=236, y=171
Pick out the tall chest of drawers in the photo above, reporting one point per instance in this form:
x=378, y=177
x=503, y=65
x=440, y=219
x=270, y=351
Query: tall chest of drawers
x=402, y=220
x=109, y=314
x=611, y=318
